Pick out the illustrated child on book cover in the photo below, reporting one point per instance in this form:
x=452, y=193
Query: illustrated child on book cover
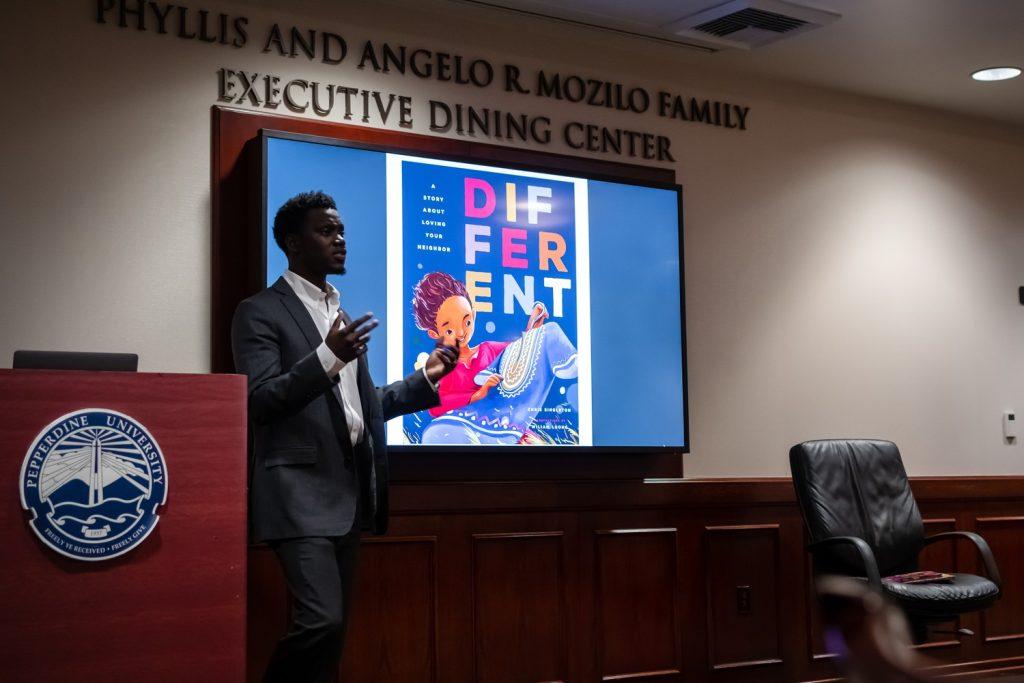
x=499, y=389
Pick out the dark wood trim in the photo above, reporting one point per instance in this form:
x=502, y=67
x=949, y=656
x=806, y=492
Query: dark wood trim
x=1010, y=636
x=384, y=540
x=740, y=528
x=504, y=536
x=937, y=645
x=642, y=675
x=753, y=664
x=521, y=495
x=987, y=668
x=969, y=488
x=636, y=532
x=1016, y=662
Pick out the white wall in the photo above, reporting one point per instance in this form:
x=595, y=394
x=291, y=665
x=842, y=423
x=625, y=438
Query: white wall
x=851, y=265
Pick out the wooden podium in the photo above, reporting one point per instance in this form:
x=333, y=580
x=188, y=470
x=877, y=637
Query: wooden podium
x=172, y=608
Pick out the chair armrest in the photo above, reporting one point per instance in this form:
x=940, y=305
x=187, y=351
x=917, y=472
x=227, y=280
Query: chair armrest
x=867, y=556
x=980, y=544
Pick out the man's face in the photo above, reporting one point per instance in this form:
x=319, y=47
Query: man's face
x=320, y=245
x=454, y=321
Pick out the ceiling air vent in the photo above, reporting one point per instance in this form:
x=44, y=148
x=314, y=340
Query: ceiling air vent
x=750, y=23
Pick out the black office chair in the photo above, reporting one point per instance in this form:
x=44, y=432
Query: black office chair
x=863, y=521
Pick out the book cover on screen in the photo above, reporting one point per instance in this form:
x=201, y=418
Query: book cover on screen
x=491, y=264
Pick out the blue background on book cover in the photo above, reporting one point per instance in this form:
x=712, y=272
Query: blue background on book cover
x=634, y=281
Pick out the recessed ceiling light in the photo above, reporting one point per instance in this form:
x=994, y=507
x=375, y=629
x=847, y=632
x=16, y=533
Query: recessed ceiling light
x=996, y=73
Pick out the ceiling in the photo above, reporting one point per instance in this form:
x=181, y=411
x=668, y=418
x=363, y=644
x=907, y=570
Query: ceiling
x=920, y=52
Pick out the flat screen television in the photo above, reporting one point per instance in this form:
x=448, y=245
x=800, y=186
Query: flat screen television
x=563, y=292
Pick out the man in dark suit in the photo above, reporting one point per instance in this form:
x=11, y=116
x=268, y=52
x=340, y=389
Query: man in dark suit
x=319, y=470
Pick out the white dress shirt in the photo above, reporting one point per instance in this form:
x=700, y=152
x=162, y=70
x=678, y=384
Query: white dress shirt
x=323, y=308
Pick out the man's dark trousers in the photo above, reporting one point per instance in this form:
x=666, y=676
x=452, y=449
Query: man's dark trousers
x=320, y=574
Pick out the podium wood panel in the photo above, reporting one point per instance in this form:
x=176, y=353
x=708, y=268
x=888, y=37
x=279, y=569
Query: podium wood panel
x=172, y=608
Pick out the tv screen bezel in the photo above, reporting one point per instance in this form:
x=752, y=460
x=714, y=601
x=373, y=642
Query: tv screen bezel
x=266, y=134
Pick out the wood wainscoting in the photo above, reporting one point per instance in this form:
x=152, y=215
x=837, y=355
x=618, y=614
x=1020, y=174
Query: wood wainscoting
x=663, y=580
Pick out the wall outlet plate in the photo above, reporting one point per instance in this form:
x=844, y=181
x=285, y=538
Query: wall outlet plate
x=743, y=600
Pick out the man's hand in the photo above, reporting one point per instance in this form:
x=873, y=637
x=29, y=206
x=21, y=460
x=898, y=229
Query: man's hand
x=349, y=342
x=441, y=361
x=491, y=382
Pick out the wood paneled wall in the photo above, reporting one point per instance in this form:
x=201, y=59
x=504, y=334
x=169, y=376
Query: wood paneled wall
x=669, y=580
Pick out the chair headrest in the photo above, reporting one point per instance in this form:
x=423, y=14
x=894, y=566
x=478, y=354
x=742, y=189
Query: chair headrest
x=858, y=487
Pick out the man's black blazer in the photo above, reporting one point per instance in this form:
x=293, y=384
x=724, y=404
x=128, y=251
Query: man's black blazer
x=303, y=477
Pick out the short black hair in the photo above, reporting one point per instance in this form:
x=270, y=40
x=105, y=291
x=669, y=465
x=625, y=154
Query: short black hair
x=292, y=213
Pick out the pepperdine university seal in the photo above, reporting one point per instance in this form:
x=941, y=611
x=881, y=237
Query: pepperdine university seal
x=93, y=480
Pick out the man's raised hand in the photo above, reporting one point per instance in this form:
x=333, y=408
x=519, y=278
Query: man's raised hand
x=441, y=361
x=349, y=342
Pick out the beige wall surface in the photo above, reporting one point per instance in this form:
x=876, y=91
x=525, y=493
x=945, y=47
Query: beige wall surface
x=851, y=265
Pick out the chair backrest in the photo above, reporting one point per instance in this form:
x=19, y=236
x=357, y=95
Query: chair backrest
x=858, y=487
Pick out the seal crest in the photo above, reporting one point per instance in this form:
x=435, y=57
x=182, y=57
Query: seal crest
x=93, y=480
